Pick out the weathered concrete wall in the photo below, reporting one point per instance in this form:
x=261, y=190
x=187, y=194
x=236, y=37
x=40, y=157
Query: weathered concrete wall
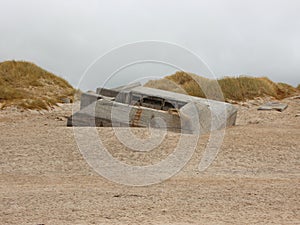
x=109, y=113
x=88, y=98
x=192, y=118
x=107, y=92
x=196, y=115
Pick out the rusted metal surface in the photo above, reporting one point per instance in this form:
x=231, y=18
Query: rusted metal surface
x=137, y=117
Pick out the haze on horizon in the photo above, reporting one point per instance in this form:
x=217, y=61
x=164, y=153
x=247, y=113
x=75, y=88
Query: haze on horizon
x=255, y=38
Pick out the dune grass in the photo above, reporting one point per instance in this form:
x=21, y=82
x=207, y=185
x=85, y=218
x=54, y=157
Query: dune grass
x=233, y=88
x=196, y=85
x=28, y=86
x=242, y=88
x=165, y=84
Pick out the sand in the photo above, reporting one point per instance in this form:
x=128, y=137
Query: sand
x=255, y=178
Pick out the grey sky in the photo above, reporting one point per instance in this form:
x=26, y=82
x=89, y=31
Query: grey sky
x=255, y=37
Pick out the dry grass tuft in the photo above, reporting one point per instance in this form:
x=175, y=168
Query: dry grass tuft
x=188, y=83
x=243, y=87
x=233, y=88
x=165, y=84
x=28, y=86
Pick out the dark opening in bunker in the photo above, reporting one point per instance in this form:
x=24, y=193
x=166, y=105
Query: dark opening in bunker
x=156, y=103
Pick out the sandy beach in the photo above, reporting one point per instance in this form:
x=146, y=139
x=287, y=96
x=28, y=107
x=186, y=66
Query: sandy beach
x=255, y=178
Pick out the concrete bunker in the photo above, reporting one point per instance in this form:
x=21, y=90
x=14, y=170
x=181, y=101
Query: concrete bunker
x=135, y=105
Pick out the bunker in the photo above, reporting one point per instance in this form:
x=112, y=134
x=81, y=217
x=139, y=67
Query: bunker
x=137, y=106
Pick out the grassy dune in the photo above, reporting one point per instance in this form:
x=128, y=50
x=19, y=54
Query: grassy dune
x=28, y=86
x=233, y=88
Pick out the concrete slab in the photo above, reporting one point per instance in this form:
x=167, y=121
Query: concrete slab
x=142, y=107
x=273, y=106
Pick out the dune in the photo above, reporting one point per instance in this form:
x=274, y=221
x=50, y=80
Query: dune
x=25, y=85
x=233, y=88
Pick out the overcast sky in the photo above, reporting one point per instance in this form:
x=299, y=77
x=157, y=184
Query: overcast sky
x=234, y=37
